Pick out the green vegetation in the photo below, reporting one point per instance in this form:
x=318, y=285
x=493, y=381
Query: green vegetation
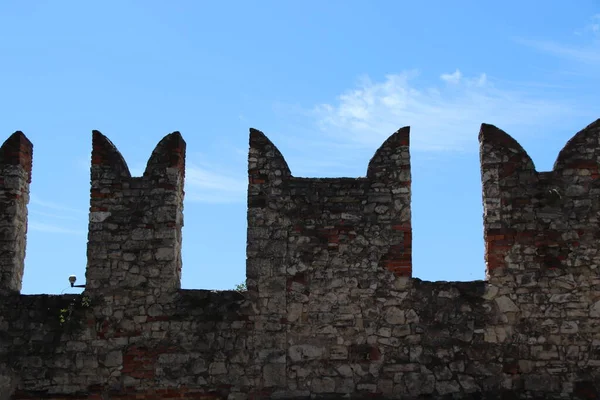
x=241, y=287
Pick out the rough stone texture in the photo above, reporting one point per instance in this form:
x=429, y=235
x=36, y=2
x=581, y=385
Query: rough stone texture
x=331, y=310
x=134, y=237
x=15, y=177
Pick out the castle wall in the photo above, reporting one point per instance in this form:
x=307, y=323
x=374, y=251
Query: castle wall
x=331, y=308
x=132, y=332
x=134, y=237
x=541, y=233
x=114, y=346
x=15, y=177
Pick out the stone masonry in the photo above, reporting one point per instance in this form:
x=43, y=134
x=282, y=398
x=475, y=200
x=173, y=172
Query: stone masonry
x=331, y=310
x=15, y=164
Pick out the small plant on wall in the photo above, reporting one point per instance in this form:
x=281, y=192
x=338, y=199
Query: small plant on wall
x=241, y=287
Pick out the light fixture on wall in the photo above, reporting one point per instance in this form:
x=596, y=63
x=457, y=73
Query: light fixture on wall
x=72, y=280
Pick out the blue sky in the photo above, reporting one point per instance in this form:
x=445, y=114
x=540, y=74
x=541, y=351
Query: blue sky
x=327, y=81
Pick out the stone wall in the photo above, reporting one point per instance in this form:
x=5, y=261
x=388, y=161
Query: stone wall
x=135, y=225
x=15, y=177
x=331, y=309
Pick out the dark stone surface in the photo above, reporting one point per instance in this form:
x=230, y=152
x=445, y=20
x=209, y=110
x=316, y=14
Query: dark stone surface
x=331, y=309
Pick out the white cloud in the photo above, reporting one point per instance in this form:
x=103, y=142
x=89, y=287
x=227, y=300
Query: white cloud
x=457, y=77
x=204, y=184
x=49, y=228
x=442, y=117
x=55, y=217
x=594, y=26
x=452, y=78
x=482, y=80
x=585, y=50
x=35, y=201
x=586, y=53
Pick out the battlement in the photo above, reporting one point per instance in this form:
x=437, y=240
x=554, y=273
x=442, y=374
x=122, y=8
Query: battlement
x=331, y=310
x=327, y=217
x=135, y=226
x=15, y=167
x=546, y=219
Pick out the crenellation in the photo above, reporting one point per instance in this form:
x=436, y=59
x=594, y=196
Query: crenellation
x=332, y=309
x=267, y=253
x=135, y=222
x=16, y=158
x=582, y=152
